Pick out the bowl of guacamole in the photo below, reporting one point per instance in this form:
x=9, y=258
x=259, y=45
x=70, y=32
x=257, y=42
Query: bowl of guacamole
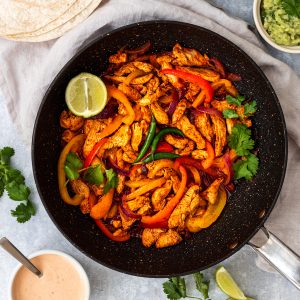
x=278, y=22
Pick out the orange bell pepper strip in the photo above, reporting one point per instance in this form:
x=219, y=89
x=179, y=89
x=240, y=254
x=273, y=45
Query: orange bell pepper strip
x=77, y=199
x=165, y=213
x=101, y=209
x=196, y=79
x=116, y=238
x=211, y=155
x=94, y=152
x=121, y=97
x=195, y=173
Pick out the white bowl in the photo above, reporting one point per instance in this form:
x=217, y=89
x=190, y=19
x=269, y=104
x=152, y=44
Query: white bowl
x=75, y=263
x=265, y=35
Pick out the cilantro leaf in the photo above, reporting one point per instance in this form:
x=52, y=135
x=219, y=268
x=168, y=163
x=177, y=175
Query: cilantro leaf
x=70, y=171
x=237, y=101
x=2, y=185
x=230, y=114
x=240, y=140
x=5, y=154
x=73, y=160
x=94, y=175
x=250, y=108
x=175, y=288
x=14, y=175
x=292, y=7
x=201, y=285
x=112, y=180
x=17, y=191
x=246, y=168
x=23, y=212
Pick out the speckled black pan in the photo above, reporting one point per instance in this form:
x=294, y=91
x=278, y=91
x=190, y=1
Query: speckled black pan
x=247, y=208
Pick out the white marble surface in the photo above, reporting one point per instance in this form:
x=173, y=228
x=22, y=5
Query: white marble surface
x=40, y=233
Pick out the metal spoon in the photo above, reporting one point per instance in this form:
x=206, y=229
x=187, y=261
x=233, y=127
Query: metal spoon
x=13, y=251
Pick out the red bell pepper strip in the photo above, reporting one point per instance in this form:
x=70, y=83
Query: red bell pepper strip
x=162, y=147
x=188, y=161
x=116, y=238
x=211, y=155
x=196, y=79
x=165, y=213
x=163, y=224
x=93, y=153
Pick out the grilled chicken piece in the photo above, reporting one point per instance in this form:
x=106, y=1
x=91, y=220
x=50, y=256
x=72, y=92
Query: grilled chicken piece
x=202, y=122
x=125, y=69
x=211, y=193
x=120, y=138
x=130, y=92
x=224, y=83
x=192, y=91
x=137, y=135
x=159, y=114
x=145, y=209
x=98, y=190
x=122, y=110
x=67, y=135
x=184, y=208
x=70, y=121
x=150, y=236
x=179, y=111
x=127, y=222
x=175, y=183
x=187, y=149
x=199, y=154
x=142, y=79
x=87, y=204
x=121, y=183
x=177, y=142
x=98, y=125
x=190, y=131
x=167, y=239
x=146, y=67
x=129, y=155
x=159, y=196
x=80, y=188
x=142, y=113
x=221, y=105
x=220, y=132
x=187, y=57
x=118, y=58
x=138, y=202
x=205, y=73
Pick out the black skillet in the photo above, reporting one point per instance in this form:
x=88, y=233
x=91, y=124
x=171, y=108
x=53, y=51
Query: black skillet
x=247, y=208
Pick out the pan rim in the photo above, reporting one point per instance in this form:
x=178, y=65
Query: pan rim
x=129, y=26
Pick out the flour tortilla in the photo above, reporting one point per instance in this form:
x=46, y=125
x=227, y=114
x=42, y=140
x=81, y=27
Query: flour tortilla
x=19, y=16
x=60, y=30
x=73, y=11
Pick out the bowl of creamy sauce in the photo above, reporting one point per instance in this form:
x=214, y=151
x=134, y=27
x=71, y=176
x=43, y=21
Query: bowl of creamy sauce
x=63, y=278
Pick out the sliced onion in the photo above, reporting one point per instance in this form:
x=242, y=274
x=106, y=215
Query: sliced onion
x=109, y=111
x=140, y=50
x=208, y=110
x=127, y=211
x=218, y=66
x=228, y=163
x=117, y=169
x=173, y=104
x=234, y=77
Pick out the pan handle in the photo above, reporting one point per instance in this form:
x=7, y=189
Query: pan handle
x=280, y=256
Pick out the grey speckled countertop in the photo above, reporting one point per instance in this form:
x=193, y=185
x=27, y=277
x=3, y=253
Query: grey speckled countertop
x=40, y=232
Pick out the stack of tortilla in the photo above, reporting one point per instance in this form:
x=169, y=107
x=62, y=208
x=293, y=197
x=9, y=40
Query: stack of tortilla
x=42, y=20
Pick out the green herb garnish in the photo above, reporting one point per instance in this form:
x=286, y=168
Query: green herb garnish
x=292, y=7
x=112, y=180
x=230, y=114
x=237, y=101
x=246, y=168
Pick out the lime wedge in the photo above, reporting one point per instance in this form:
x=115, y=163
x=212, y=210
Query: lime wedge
x=86, y=95
x=228, y=285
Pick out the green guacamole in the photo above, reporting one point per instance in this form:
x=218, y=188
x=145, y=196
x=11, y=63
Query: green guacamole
x=283, y=29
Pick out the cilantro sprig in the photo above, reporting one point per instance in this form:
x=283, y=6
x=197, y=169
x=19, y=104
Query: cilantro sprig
x=246, y=167
x=13, y=182
x=292, y=7
x=175, y=287
x=249, y=107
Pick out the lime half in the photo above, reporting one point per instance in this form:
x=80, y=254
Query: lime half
x=86, y=95
x=228, y=285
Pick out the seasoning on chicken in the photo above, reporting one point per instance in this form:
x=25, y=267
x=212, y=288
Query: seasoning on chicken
x=167, y=239
x=211, y=193
x=150, y=236
x=202, y=122
x=220, y=132
x=70, y=121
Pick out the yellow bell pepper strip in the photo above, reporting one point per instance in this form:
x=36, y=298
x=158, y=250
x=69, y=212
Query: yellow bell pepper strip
x=101, y=209
x=164, y=214
x=195, y=224
x=146, y=188
x=77, y=199
x=229, y=87
x=196, y=79
x=116, y=238
x=121, y=97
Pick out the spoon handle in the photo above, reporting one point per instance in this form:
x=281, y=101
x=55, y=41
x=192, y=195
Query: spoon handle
x=12, y=250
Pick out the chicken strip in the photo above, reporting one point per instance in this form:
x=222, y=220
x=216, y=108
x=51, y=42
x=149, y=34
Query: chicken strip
x=211, y=193
x=187, y=150
x=129, y=155
x=150, y=236
x=120, y=138
x=190, y=131
x=220, y=132
x=199, y=154
x=167, y=239
x=177, y=142
x=205, y=73
x=184, y=208
x=121, y=183
x=80, y=188
x=67, y=135
x=179, y=111
x=187, y=57
x=159, y=196
x=202, y=123
x=118, y=58
x=159, y=114
x=70, y=121
x=130, y=92
x=142, y=79
x=138, y=202
x=137, y=135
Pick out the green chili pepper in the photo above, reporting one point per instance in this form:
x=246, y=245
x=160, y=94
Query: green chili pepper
x=149, y=139
x=159, y=155
x=162, y=133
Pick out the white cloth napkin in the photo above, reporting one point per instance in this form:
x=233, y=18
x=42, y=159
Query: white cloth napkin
x=27, y=69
